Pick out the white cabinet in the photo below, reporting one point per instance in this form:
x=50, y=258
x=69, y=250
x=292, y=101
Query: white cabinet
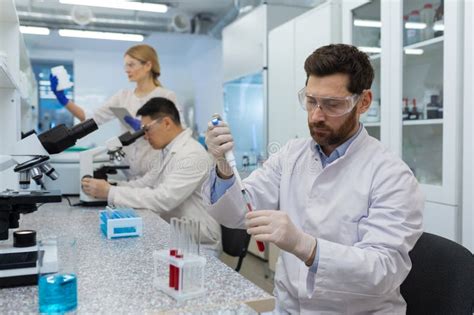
x=9, y=76
x=11, y=82
x=244, y=41
x=289, y=46
x=419, y=58
x=468, y=143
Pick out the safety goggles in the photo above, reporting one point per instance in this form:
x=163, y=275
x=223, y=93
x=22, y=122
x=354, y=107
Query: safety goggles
x=331, y=106
x=146, y=128
x=133, y=65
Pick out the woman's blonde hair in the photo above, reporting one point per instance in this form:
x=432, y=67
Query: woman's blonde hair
x=146, y=53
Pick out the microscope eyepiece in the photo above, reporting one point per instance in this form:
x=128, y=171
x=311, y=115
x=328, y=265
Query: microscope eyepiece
x=83, y=129
x=61, y=137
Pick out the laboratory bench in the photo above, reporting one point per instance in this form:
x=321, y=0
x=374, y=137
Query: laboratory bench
x=117, y=275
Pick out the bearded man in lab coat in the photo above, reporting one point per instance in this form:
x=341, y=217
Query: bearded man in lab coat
x=173, y=190
x=344, y=211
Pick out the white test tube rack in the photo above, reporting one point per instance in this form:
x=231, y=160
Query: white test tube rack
x=179, y=270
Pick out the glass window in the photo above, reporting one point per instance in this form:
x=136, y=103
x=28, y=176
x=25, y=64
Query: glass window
x=51, y=113
x=422, y=99
x=366, y=35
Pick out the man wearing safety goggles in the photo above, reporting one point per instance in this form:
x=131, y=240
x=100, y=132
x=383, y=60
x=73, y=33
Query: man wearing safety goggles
x=173, y=189
x=344, y=211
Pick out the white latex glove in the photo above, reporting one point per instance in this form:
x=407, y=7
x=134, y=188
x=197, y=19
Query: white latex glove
x=276, y=227
x=219, y=140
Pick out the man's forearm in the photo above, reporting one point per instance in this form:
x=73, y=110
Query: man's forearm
x=223, y=169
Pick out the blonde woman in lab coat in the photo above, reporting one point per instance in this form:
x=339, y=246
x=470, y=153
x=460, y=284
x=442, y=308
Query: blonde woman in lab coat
x=142, y=67
x=344, y=211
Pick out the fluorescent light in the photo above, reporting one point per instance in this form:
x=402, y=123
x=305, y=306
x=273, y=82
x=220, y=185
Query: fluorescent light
x=101, y=35
x=34, y=30
x=415, y=25
x=373, y=50
x=414, y=51
x=438, y=26
x=367, y=23
x=120, y=4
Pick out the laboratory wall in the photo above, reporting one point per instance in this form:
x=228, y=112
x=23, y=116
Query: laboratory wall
x=190, y=66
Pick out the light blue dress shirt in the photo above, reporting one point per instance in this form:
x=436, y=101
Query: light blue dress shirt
x=220, y=186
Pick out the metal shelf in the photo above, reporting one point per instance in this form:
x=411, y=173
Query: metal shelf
x=372, y=124
x=423, y=122
x=426, y=43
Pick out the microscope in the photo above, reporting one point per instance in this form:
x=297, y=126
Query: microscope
x=113, y=147
x=18, y=258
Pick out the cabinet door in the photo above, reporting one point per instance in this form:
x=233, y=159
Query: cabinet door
x=468, y=142
x=282, y=100
x=243, y=43
x=318, y=27
x=431, y=99
x=365, y=33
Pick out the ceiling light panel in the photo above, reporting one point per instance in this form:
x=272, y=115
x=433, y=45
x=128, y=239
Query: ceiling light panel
x=101, y=35
x=120, y=4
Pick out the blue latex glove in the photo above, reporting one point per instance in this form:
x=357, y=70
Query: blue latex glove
x=133, y=122
x=62, y=99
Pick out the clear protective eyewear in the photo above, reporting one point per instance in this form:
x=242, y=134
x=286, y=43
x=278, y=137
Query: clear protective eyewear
x=331, y=106
x=133, y=65
x=146, y=128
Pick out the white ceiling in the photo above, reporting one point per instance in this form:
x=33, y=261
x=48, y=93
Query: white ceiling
x=156, y=26
x=206, y=13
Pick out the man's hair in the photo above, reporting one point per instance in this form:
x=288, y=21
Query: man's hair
x=159, y=107
x=341, y=58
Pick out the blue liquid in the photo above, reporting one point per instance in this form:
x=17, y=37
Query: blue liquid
x=57, y=293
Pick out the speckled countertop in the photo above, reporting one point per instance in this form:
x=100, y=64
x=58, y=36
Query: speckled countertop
x=116, y=276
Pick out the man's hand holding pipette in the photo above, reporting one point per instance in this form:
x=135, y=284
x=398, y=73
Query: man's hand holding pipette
x=219, y=141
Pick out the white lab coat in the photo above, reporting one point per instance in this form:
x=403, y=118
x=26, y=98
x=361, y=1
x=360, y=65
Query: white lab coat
x=174, y=190
x=140, y=156
x=365, y=209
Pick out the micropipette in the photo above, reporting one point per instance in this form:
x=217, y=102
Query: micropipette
x=230, y=158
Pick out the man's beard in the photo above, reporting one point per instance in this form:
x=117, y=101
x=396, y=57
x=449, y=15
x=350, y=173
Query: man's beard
x=331, y=137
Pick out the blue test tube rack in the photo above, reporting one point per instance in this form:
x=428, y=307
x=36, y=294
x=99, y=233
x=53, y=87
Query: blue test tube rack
x=120, y=222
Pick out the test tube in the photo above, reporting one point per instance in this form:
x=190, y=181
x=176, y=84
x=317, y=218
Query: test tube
x=179, y=253
x=173, y=249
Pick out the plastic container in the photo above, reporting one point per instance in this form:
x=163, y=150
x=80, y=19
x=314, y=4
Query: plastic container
x=405, y=19
x=427, y=16
x=189, y=275
x=413, y=34
x=63, y=78
x=120, y=222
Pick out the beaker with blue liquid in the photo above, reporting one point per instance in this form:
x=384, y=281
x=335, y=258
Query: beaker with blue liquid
x=57, y=275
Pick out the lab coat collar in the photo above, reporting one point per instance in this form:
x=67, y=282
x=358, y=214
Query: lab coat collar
x=339, y=151
x=352, y=144
x=174, y=144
